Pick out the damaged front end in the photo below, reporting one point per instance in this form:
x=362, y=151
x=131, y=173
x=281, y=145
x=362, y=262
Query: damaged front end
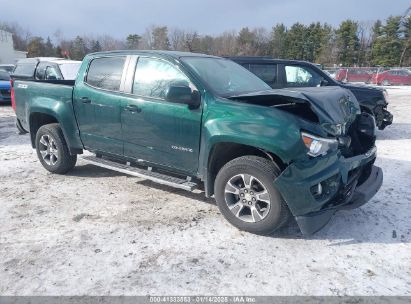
x=338, y=171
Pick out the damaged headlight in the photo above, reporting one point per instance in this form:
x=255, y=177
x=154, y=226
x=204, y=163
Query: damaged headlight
x=318, y=145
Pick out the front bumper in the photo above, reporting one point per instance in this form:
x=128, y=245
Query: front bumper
x=346, y=183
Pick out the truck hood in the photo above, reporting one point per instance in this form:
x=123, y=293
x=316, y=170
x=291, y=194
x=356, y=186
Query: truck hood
x=336, y=108
x=359, y=86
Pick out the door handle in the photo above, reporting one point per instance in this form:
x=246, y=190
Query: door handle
x=133, y=108
x=85, y=100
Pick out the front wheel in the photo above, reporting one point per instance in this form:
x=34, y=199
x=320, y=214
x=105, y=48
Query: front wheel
x=52, y=149
x=246, y=196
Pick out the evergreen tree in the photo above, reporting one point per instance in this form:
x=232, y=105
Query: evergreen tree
x=294, y=42
x=246, y=42
x=36, y=48
x=59, y=51
x=405, y=59
x=95, y=46
x=387, y=47
x=278, y=40
x=50, y=51
x=347, y=43
x=133, y=41
x=206, y=45
x=327, y=52
x=78, y=49
x=192, y=42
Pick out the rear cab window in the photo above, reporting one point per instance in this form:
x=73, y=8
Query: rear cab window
x=106, y=72
x=25, y=69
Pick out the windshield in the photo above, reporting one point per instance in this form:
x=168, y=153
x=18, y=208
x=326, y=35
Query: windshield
x=4, y=76
x=225, y=77
x=69, y=70
x=407, y=72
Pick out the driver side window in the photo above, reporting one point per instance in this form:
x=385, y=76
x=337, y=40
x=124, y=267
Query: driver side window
x=154, y=76
x=298, y=76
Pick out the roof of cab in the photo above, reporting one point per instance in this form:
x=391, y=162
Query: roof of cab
x=266, y=59
x=172, y=54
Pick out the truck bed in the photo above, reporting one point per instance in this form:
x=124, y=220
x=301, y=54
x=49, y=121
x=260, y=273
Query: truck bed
x=35, y=95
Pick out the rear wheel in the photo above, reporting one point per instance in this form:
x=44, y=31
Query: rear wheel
x=52, y=149
x=385, y=82
x=246, y=195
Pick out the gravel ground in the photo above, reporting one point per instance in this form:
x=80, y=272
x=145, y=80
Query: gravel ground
x=98, y=232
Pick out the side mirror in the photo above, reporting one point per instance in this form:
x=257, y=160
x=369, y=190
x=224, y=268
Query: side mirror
x=183, y=94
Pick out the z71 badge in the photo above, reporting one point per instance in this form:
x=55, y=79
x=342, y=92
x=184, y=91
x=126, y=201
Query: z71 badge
x=182, y=149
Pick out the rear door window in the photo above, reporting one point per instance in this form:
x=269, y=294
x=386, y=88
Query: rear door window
x=266, y=72
x=105, y=73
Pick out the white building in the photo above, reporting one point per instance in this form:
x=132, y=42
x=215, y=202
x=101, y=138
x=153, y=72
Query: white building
x=7, y=53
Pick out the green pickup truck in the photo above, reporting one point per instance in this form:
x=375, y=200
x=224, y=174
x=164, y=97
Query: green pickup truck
x=195, y=121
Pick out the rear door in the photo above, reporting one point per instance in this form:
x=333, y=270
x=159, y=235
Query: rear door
x=154, y=129
x=268, y=72
x=97, y=103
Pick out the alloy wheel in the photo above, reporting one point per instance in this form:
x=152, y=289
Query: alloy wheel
x=247, y=198
x=48, y=150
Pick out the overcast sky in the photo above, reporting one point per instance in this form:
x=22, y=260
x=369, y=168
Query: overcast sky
x=121, y=17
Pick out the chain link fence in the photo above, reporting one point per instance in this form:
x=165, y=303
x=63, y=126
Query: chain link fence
x=372, y=75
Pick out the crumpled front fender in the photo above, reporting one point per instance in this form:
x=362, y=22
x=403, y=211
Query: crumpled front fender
x=338, y=176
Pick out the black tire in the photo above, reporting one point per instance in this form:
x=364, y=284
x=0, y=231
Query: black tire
x=65, y=161
x=266, y=172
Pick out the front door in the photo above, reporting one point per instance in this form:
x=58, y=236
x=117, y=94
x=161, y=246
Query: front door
x=154, y=129
x=301, y=76
x=97, y=103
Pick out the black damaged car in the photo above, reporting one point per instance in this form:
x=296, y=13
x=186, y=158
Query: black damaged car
x=279, y=73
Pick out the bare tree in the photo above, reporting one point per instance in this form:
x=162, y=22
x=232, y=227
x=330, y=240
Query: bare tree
x=177, y=37
x=226, y=44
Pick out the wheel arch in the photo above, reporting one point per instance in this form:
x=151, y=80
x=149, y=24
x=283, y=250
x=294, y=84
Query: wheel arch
x=39, y=119
x=223, y=152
